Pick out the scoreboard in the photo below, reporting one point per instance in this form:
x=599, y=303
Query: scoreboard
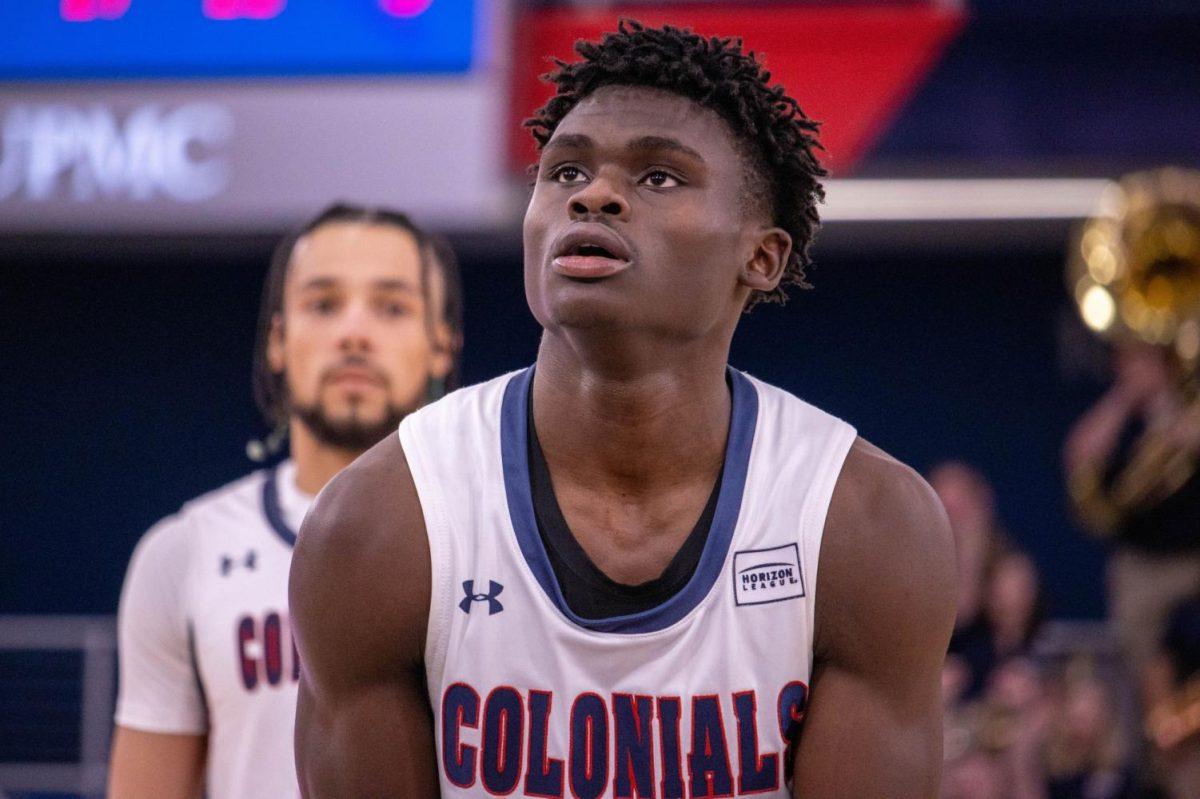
x=147, y=116
x=123, y=39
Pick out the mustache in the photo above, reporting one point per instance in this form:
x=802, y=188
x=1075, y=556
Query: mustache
x=330, y=374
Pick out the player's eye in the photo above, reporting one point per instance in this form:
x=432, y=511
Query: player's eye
x=567, y=174
x=661, y=179
x=395, y=309
x=322, y=305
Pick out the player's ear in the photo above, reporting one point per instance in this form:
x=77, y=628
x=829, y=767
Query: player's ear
x=769, y=253
x=445, y=347
x=445, y=343
x=275, y=357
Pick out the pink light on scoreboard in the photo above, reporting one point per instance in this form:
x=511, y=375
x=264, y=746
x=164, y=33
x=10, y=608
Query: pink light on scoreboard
x=91, y=10
x=405, y=9
x=243, y=9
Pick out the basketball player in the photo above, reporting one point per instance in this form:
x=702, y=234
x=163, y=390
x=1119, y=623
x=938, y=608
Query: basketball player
x=359, y=326
x=631, y=570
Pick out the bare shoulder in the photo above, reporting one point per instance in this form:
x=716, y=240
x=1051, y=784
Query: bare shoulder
x=884, y=612
x=360, y=577
x=886, y=578
x=881, y=499
x=359, y=595
x=358, y=511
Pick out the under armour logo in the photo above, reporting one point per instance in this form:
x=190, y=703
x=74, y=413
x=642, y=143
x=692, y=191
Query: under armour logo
x=494, y=589
x=249, y=562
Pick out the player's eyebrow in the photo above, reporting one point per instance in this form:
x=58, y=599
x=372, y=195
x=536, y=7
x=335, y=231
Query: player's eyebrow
x=384, y=284
x=318, y=283
x=395, y=284
x=579, y=141
x=644, y=144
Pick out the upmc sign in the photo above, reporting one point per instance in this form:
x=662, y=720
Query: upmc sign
x=851, y=68
x=58, y=151
x=252, y=154
x=249, y=157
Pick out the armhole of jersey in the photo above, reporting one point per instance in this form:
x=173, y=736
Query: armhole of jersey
x=816, y=510
x=437, y=533
x=195, y=664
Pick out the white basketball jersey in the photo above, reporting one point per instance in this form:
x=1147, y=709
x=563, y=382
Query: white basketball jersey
x=697, y=697
x=205, y=642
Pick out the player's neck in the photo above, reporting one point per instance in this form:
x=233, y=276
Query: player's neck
x=633, y=426
x=316, y=462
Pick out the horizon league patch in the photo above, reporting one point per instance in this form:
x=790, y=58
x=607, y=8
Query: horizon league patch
x=767, y=575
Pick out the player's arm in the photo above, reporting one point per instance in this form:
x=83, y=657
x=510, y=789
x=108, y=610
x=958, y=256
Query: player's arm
x=160, y=743
x=884, y=613
x=359, y=595
x=154, y=765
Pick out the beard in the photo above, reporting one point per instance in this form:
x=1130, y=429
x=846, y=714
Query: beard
x=349, y=433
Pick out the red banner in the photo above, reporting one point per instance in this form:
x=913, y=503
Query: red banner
x=850, y=68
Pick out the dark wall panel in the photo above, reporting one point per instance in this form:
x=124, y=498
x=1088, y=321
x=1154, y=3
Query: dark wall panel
x=125, y=388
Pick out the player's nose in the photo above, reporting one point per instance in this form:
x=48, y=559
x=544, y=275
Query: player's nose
x=598, y=197
x=354, y=329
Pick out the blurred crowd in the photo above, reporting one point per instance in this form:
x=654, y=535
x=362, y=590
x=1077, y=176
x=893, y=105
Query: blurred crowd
x=1031, y=713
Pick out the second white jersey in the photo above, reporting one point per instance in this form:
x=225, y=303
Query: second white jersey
x=697, y=697
x=205, y=642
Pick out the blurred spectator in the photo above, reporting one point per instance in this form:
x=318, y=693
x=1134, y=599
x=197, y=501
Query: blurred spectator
x=1117, y=458
x=1013, y=611
x=977, y=775
x=1173, y=696
x=998, y=739
x=1029, y=737
x=999, y=603
x=1014, y=608
x=1011, y=732
x=1087, y=755
x=971, y=507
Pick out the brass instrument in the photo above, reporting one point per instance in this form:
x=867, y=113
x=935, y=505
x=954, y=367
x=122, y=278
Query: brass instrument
x=1134, y=272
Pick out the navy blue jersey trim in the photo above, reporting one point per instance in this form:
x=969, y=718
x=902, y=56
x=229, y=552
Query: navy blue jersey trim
x=515, y=457
x=195, y=665
x=271, y=509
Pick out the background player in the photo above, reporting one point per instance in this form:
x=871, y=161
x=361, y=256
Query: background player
x=601, y=575
x=360, y=325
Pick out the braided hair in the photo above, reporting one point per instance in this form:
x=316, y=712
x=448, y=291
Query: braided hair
x=778, y=141
x=270, y=390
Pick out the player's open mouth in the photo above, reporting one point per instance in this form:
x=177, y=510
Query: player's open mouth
x=590, y=251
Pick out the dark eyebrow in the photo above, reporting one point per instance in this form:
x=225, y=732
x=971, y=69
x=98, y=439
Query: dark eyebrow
x=318, y=283
x=387, y=284
x=577, y=140
x=395, y=284
x=662, y=143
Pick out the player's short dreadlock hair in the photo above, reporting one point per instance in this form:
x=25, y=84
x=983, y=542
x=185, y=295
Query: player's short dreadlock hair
x=779, y=141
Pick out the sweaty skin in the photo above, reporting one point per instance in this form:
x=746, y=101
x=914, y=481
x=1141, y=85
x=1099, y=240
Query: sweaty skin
x=632, y=411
